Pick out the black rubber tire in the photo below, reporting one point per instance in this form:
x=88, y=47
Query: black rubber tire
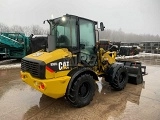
x=82, y=91
x=120, y=79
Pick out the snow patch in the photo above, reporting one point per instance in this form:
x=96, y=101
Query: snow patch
x=34, y=36
x=99, y=83
x=139, y=55
x=10, y=66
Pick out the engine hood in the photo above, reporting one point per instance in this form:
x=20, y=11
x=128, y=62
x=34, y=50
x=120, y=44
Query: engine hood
x=47, y=57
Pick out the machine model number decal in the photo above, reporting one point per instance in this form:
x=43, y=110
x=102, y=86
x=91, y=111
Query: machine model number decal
x=53, y=64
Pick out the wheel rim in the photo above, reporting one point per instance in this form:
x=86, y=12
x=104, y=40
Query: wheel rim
x=84, y=90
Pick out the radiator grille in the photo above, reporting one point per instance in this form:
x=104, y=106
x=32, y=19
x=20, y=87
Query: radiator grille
x=34, y=68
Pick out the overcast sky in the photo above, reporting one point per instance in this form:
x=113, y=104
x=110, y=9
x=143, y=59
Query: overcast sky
x=132, y=16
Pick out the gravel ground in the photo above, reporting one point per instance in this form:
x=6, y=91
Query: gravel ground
x=19, y=101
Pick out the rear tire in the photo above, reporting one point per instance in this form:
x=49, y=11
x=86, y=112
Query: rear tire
x=82, y=91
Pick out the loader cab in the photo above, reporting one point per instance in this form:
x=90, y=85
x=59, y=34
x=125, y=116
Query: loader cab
x=74, y=33
x=64, y=32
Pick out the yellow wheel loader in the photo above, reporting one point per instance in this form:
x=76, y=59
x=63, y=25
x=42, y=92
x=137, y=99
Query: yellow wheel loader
x=72, y=62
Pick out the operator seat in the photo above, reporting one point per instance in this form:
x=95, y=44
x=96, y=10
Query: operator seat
x=63, y=40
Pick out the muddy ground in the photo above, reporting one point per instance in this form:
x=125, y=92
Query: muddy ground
x=19, y=101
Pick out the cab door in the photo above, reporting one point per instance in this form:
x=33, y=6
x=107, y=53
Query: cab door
x=87, y=42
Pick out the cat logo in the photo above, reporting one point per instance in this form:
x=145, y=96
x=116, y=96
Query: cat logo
x=63, y=65
x=37, y=54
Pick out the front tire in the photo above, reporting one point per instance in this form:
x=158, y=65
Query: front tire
x=82, y=91
x=120, y=79
x=117, y=76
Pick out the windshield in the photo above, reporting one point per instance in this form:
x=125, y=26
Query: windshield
x=64, y=30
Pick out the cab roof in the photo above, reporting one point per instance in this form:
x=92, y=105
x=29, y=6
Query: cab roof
x=69, y=15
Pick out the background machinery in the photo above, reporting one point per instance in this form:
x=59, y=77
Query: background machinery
x=73, y=61
x=14, y=45
x=17, y=45
x=119, y=48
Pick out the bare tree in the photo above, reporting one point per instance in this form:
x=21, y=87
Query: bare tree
x=27, y=30
x=112, y=35
x=4, y=28
x=120, y=36
x=16, y=28
x=37, y=30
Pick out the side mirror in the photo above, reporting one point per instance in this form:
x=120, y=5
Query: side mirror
x=45, y=21
x=102, y=26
